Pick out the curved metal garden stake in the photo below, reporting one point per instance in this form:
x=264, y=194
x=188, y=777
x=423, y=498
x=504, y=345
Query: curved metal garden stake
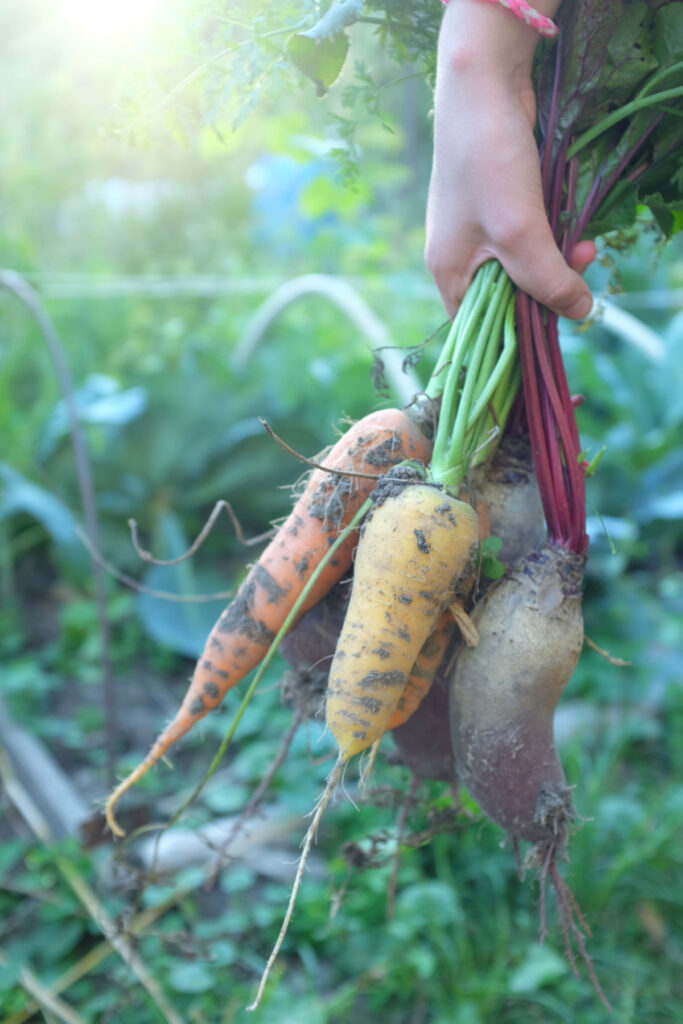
x=404, y=382
x=22, y=290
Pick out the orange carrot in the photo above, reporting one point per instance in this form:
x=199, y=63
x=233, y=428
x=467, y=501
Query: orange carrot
x=244, y=632
x=422, y=674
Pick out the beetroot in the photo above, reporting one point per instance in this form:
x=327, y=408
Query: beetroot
x=502, y=702
x=508, y=490
x=504, y=693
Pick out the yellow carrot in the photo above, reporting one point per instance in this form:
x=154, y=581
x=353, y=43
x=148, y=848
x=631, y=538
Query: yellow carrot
x=414, y=553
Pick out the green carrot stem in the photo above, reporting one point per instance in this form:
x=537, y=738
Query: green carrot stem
x=479, y=384
x=656, y=79
x=462, y=337
x=494, y=326
x=506, y=392
x=459, y=432
x=486, y=377
x=498, y=378
x=464, y=322
x=447, y=415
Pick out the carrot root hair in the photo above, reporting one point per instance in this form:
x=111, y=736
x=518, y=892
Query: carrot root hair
x=368, y=764
x=311, y=833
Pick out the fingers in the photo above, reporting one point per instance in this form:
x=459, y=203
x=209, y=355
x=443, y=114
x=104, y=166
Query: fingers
x=452, y=286
x=582, y=256
x=452, y=253
x=547, y=279
x=537, y=266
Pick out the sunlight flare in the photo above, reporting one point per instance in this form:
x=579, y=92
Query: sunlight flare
x=109, y=18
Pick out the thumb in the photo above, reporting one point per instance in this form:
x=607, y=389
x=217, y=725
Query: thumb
x=538, y=267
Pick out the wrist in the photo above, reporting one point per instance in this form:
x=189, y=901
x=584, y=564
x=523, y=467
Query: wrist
x=483, y=37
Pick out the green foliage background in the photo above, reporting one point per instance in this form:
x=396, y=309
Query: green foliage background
x=120, y=191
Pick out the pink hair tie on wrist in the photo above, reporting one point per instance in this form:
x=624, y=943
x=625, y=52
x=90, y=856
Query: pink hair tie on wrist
x=529, y=15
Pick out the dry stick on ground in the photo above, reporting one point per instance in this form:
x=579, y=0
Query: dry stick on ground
x=44, y=998
x=85, y=894
x=23, y=291
x=98, y=954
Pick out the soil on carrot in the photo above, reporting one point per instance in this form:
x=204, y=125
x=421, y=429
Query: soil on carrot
x=329, y=501
x=394, y=481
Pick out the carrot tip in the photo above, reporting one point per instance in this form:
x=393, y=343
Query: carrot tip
x=109, y=814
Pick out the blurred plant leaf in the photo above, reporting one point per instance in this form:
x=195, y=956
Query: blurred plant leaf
x=431, y=901
x=541, y=966
x=100, y=400
x=17, y=494
x=664, y=506
x=190, y=977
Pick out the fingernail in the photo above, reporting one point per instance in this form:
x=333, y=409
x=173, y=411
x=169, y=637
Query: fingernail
x=581, y=309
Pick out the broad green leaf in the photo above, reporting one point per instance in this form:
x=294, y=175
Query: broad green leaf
x=8, y=974
x=181, y=627
x=668, y=36
x=433, y=902
x=60, y=938
x=319, y=59
x=491, y=567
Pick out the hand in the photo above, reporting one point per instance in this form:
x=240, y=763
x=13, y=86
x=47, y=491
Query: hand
x=485, y=198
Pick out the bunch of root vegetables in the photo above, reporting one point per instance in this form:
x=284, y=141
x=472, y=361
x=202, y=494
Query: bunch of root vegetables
x=428, y=580
x=376, y=592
